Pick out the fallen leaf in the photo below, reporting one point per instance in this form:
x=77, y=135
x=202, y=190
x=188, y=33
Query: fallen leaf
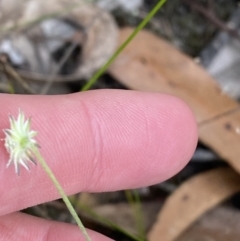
x=220, y=224
x=192, y=199
x=151, y=64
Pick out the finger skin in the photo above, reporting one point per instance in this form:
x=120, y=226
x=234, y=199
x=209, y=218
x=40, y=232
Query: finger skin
x=23, y=227
x=97, y=141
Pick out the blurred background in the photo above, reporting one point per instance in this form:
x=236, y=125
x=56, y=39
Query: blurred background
x=190, y=49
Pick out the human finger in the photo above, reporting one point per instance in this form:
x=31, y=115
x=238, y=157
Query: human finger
x=23, y=227
x=98, y=141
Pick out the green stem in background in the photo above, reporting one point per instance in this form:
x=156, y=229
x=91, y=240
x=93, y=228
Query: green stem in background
x=61, y=192
x=135, y=202
x=95, y=216
x=95, y=77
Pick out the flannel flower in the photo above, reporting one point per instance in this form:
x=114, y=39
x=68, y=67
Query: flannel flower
x=19, y=142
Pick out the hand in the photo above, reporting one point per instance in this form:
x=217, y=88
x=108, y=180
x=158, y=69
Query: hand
x=94, y=141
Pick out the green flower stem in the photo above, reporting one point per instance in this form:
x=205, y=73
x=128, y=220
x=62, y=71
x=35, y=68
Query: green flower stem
x=135, y=202
x=61, y=192
x=95, y=77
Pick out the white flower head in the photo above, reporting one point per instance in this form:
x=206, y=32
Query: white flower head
x=20, y=142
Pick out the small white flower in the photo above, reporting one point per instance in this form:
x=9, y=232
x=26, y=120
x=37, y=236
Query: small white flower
x=19, y=142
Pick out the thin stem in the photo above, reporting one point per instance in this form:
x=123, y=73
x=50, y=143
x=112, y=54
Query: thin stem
x=106, y=221
x=135, y=202
x=95, y=77
x=61, y=192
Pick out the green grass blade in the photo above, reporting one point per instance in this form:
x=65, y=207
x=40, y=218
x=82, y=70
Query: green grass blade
x=95, y=77
x=135, y=202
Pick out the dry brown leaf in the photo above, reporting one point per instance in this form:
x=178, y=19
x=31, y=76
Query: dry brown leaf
x=220, y=224
x=223, y=136
x=192, y=199
x=125, y=217
x=96, y=34
x=151, y=64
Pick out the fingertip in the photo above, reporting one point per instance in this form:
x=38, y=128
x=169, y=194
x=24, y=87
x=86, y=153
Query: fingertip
x=183, y=134
x=172, y=140
x=99, y=141
x=21, y=227
x=157, y=131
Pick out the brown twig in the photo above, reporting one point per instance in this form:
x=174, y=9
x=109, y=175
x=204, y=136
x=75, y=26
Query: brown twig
x=79, y=38
x=64, y=59
x=12, y=73
x=66, y=56
x=210, y=15
x=43, y=77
